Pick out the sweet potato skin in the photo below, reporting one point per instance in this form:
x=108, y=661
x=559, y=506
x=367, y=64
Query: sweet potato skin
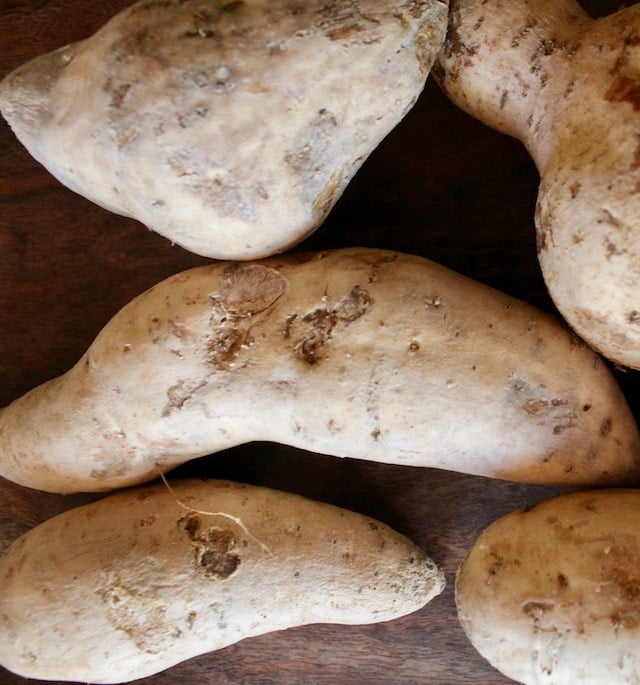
x=359, y=352
x=550, y=594
x=566, y=85
x=132, y=584
x=227, y=127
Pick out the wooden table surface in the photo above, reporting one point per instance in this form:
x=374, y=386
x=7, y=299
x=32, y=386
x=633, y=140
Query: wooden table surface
x=442, y=186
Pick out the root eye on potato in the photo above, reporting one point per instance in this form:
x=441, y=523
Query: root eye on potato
x=130, y=585
x=229, y=128
x=361, y=353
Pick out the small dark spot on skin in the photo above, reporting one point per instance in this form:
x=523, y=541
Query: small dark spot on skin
x=634, y=316
x=535, y=406
x=563, y=581
x=454, y=44
x=414, y=346
x=574, y=189
x=635, y=164
x=537, y=609
x=608, y=218
x=541, y=240
x=605, y=427
x=611, y=249
x=624, y=89
x=503, y=98
x=618, y=619
x=496, y=563
x=375, y=434
x=586, y=407
x=523, y=31
x=190, y=524
x=343, y=32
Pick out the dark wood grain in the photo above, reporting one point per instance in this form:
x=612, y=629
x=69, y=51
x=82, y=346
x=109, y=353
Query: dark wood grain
x=442, y=186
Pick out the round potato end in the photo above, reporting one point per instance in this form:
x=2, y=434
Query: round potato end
x=552, y=594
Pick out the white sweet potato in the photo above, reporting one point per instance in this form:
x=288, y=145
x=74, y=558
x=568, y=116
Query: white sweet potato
x=568, y=87
x=135, y=583
x=230, y=127
x=361, y=353
x=551, y=595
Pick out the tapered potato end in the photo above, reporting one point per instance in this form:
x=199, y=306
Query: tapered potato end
x=25, y=95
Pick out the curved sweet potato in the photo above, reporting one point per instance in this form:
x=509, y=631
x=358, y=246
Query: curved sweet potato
x=356, y=352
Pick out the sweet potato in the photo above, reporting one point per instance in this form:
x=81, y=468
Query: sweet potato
x=134, y=583
x=551, y=595
x=361, y=353
x=568, y=87
x=230, y=127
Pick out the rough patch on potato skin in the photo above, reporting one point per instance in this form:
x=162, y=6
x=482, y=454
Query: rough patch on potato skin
x=214, y=547
x=321, y=323
x=246, y=294
x=246, y=291
x=141, y=616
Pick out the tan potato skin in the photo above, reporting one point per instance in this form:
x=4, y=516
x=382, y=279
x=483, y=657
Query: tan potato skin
x=229, y=127
x=128, y=586
x=568, y=87
x=550, y=595
x=358, y=352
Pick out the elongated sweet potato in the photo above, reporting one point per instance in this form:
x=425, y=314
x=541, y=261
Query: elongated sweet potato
x=551, y=595
x=230, y=127
x=135, y=583
x=355, y=352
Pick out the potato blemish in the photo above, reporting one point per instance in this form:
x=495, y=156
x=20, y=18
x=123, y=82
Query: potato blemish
x=213, y=548
x=324, y=320
x=245, y=292
x=140, y=616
